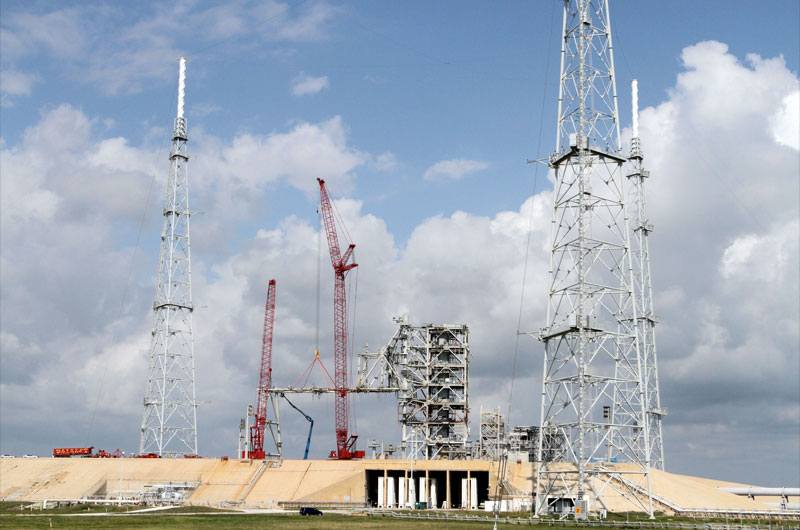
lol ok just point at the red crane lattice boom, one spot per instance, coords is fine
(265, 375)
(345, 444)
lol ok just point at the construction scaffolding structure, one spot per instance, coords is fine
(428, 367)
(492, 441)
(518, 443)
(593, 392)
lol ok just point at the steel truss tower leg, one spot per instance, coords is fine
(169, 421)
(593, 431)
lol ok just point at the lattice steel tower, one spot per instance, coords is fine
(592, 388)
(646, 320)
(169, 422)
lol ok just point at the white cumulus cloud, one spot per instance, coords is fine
(385, 161)
(723, 198)
(304, 84)
(15, 83)
(454, 169)
(299, 156)
(144, 49)
(785, 123)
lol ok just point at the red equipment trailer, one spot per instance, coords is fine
(66, 452)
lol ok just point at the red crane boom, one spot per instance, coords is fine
(265, 375)
(345, 445)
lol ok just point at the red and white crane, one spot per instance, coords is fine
(258, 428)
(345, 442)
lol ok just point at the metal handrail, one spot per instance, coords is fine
(590, 523)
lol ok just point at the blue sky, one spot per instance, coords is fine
(421, 116)
(426, 82)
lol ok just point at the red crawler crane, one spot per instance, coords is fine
(345, 446)
(265, 375)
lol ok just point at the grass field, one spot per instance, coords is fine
(196, 517)
(326, 522)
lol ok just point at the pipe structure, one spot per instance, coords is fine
(791, 506)
(772, 492)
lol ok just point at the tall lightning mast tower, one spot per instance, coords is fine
(592, 388)
(646, 319)
(169, 422)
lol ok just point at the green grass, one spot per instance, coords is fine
(327, 522)
(78, 516)
(12, 506)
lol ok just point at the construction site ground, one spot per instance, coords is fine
(329, 483)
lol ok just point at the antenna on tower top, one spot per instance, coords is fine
(636, 146)
(635, 106)
(181, 86)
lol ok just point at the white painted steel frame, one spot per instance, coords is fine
(646, 318)
(492, 444)
(592, 386)
(169, 420)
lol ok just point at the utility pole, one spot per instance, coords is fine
(169, 421)
(592, 400)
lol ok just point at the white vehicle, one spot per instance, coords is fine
(29, 456)
(6, 456)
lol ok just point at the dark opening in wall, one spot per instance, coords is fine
(371, 477)
(456, 500)
(483, 487)
(439, 479)
(434, 494)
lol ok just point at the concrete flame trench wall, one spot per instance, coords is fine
(253, 484)
(225, 481)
